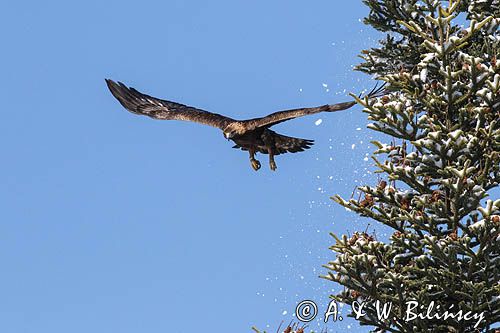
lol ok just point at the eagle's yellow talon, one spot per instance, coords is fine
(272, 165)
(255, 164)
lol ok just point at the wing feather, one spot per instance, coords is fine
(139, 103)
(281, 116)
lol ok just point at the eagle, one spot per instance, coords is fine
(252, 135)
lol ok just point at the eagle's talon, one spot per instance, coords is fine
(255, 164)
(272, 165)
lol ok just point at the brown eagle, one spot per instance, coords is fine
(252, 135)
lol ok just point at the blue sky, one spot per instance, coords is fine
(112, 222)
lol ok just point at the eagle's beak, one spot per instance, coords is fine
(228, 135)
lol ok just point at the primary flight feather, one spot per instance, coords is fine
(252, 135)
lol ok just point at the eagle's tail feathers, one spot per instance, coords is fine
(286, 144)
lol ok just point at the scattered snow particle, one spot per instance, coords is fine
(300, 89)
(325, 85)
(365, 159)
(318, 122)
(423, 74)
(284, 312)
(358, 129)
(353, 146)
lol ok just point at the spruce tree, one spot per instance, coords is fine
(437, 168)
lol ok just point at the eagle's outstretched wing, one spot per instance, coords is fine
(140, 103)
(281, 116)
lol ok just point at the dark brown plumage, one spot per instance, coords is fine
(252, 135)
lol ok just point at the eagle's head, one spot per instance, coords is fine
(229, 135)
(233, 129)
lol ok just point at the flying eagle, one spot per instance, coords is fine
(252, 135)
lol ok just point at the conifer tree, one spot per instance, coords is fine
(437, 168)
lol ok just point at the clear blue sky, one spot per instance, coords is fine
(112, 222)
